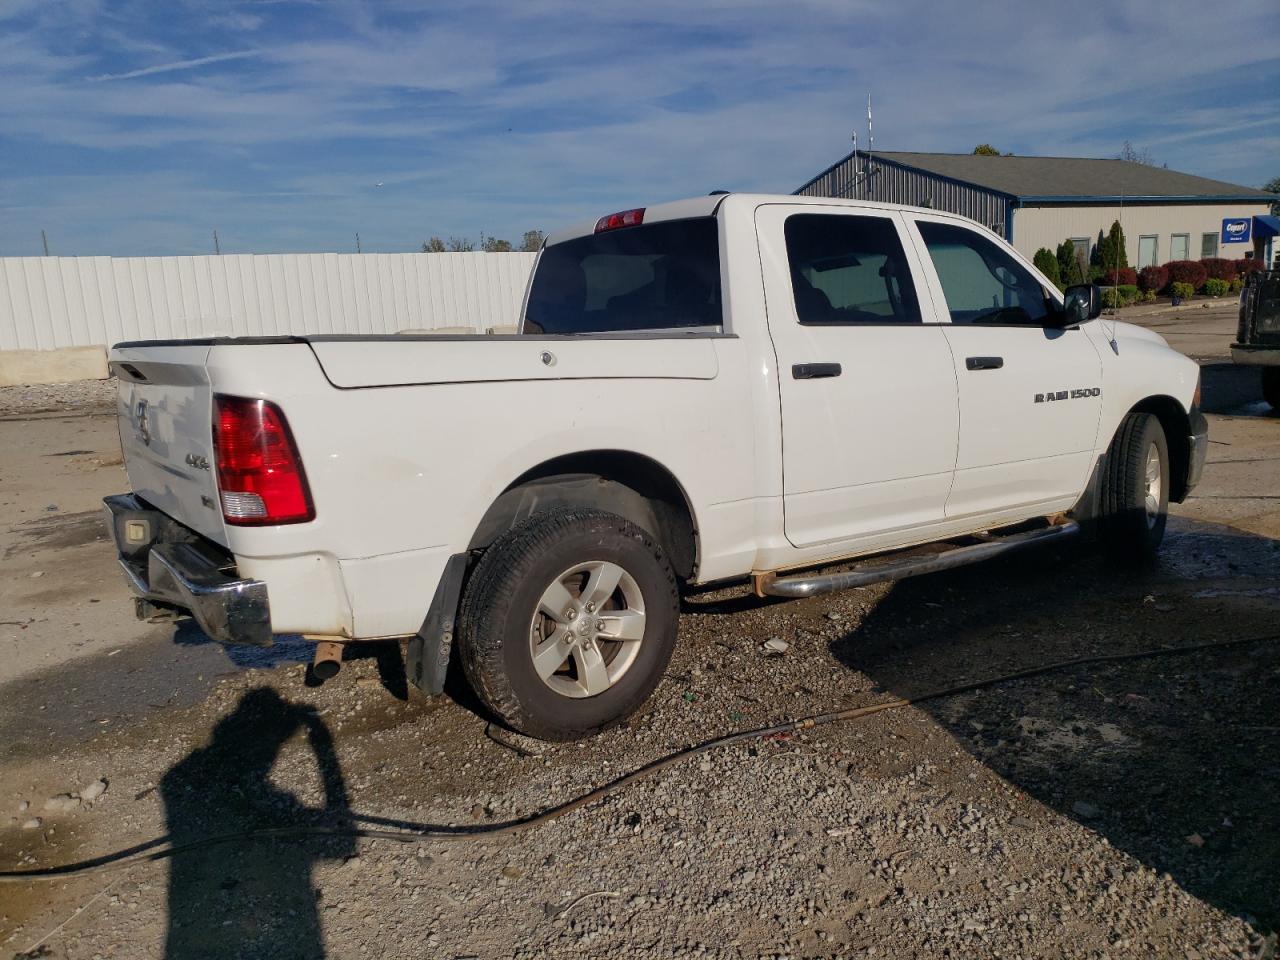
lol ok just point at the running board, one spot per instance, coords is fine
(770, 585)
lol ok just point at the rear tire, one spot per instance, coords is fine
(1271, 386)
(568, 623)
(1134, 501)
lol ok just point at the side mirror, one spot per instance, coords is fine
(1082, 302)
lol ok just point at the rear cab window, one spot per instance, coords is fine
(657, 276)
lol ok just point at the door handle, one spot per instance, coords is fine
(983, 363)
(814, 371)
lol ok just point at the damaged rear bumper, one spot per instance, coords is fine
(170, 568)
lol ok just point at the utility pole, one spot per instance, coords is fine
(44, 240)
(358, 250)
(216, 248)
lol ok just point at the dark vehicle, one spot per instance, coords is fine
(1258, 337)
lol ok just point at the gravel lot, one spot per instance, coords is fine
(79, 397)
(1118, 810)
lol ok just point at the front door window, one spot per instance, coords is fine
(983, 283)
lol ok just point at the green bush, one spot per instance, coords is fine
(1146, 296)
(1184, 290)
(1216, 288)
(1112, 298)
(1069, 267)
(1046, 262)
(1236, 285)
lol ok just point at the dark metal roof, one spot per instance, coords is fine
(1066, 179)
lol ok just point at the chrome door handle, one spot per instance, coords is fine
(983, 363)
(814, 371)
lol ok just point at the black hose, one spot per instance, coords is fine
(409, 832)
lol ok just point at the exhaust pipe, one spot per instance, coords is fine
(328, 660)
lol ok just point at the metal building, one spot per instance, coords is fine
(1039, 202)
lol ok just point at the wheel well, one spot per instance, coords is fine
(628, 484)
(1177, 434)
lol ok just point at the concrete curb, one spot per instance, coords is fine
(63, 365)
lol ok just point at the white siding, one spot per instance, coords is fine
(1036, 227)
(51, 302)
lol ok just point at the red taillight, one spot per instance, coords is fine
(260, 475)
(627, 218)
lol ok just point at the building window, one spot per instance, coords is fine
(1081, 255)
(1208, 245)
(1148, 251)
(1180, 246)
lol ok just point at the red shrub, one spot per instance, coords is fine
(1153, 279)
(1119, 276)
(1246, 267)
(1220, 269)
(1187, 271)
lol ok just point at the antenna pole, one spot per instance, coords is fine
(216, 248)
(358, 250)
(871, 143)
(854, 184)
(45, 241)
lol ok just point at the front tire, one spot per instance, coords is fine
(568, 623)
(1135, 491)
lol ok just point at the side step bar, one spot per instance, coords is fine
(770, 585)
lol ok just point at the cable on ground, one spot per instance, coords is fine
(406, 831)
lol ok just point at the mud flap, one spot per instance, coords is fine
(428, 652)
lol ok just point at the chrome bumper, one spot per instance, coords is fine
(168, 567)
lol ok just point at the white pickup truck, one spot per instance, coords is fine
(710, 390)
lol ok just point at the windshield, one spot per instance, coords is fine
(653, 277)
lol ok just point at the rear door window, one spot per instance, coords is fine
(652, 277)
(849, 269)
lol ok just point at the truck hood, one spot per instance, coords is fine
(1131, 331)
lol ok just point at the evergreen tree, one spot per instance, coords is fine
(1096, 258)
(1116, 253)
(1047, 263)
(1068, 268)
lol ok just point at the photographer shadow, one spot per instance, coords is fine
(250, 898)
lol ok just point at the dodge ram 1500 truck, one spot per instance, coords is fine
(734, 387)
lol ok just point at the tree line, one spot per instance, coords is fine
(531, 242)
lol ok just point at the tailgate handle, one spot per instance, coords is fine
(984, 363)
(814, 371)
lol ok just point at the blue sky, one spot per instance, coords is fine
(140, 127)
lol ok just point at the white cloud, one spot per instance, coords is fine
(503, 116)
(175, 65)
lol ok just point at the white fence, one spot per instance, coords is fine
(52, 302)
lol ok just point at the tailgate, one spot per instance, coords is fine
(164, 405)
